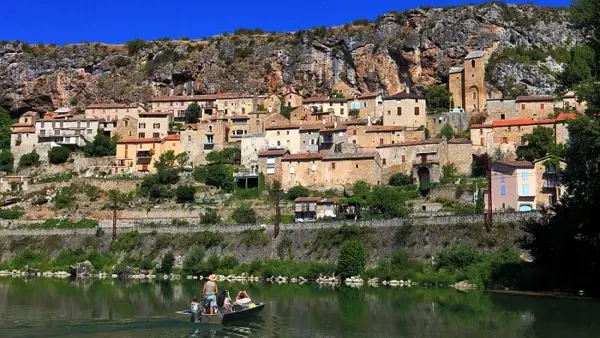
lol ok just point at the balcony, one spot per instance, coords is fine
(246, 174)
(550, 184)
(143, 155)
(326, 140)
(208, 145)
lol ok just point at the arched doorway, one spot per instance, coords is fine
(474, 96)
(424, 176)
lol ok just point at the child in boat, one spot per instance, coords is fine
(194, 309)
(224, 300)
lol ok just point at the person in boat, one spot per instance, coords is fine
(242, 298)
(224, 300)
(210, 291)
(195, 310)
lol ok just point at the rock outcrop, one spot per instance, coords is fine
(412, 49)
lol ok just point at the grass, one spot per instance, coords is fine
(65, 224)
(12, 213)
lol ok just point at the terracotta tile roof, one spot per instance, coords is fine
(110, 105)
(516, 164)
(210, 97)
(521, 122)
(377, 129)
(154, 113)
(315, 99)
(350, 156)
(480, 126)
(459, 141)
(232, 95)
(283, 127)
(368, 95)
(566, 116)
(173, 137)
(140, 140)
(23, 131)
(536, 98)
(329, 200)
(412, 143)
(21, 125)
(303, 157)
(354, 122)
(258, 112)
(404, 95)
(311, 126)
(272, 152)
(307, 199)
(331, 129)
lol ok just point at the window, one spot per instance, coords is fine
(333, 165)
(525, 189)
(502, 190)
(142, 126)
(505, 140)
(389, 113)
(417, 111)
(383, 162)
(278, 133)
(357, 166)
(522, 106)
(278, 143)
(313, 167)
(354, 132)
(292, 170)
(399, 111)
(541, 106)
(502, 117)
(141, 135)
(89, 132)
(129, 133)
(270, 165)
(189, 138)
(403, 158)
(156, 125)
(155, 135)
(380, 141)
(524, 175)
(342, 111)
(287, 132)
(502, 179)
(331, 104)
(509, 128)
(353, 141)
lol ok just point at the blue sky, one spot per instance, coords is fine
(117, 21)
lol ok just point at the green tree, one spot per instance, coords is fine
(102, 145)
(170, 160)
(192, 263)
(192, 113)
(244, 214)
(352, 259)
(400, 179)
(578, 69)
(220, 176)
(225, 156)
(564, 243)
(185, 193)
(5, 122)
(31, 159)
(58, 155)
(438, 97)
(387, 202)
(540, 142)
(210, 217)
(167, 262)
(7, 161)
(447, 131)
(297, 191)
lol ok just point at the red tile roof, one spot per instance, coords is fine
(315, 99)
(368, 95)
(303, 156)
(566, 116)
(209, 97)
(272, 152)
(412, 143)
(239, 117)
(521, 122)
(286, 126)
(361, 121)
(516, 164)
(173, 137)
(475, 126)
(350, 156)
(536, 98)
(311, 126)
(24, 131)
(21, 125)
(110, 105)
(377, 129)
(140, 140)
(154, 113)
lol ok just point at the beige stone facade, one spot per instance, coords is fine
(113, 111)
(466, 83)
(285, 137)
(369, 137)
(250, 146)
(301, 115)
(536, 107)
(336, 107)
(548, 182)
(570, 101)
(197, 140)
(405, 109)
(256, 121)
(269, 163)
(177, 105)
(272, 103)
(126, 127)
(237, 104)
(153, 124)
(332, 171)
(292, 99)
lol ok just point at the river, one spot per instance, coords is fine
(107, 308)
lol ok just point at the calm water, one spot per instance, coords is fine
(56, 308)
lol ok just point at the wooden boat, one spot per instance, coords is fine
(237, 314)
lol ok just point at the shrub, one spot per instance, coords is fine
(192, 264)
(63, 199)
(31, 159)
(210, 216)
(192, 113)
(166, 264)
(228, 262)
(102, 145)
(447, 131)
(185, 193)
(458, 258)
(352, 259)
(59, 155)
(135, 46)
(7, 161)
(244, 214)
(13, 213)
(297, 191)
(254, 238)
(400, 179)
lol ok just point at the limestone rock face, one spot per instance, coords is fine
(412, 49)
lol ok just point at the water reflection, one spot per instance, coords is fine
(60, 308)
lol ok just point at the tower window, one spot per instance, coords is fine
(473, 63)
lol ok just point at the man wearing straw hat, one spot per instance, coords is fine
(210, 290)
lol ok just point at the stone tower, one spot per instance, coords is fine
(466, 83)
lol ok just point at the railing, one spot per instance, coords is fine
(550, 184)
(245, 173)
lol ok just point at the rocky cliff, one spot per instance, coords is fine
(414, 49)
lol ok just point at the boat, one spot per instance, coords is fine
(238, 313)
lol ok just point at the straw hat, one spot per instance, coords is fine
(212, 277)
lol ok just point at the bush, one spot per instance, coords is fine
(166, 264)
(297, 191)
(7, 161)
(352, 259)
(251, 238)
(244, 214)
(220, 176)
(447, 131)
(58, 155)
(192, 264)
(31, 159)
(102, 145)
(185, 193)
(458, 258)
(210, 216)
(400, 179)
(13, 213)
(135, 46)
(63, 199)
